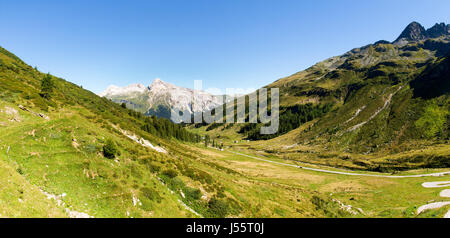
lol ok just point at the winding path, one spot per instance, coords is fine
(435, 205)
(346, 173)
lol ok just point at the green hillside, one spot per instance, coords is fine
(372, 108)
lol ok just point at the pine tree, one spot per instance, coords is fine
(110, 150)
(47, 87)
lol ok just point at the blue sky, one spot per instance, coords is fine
(225, 43)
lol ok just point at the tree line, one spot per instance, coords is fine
(290, 119)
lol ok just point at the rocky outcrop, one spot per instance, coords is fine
(416, 32)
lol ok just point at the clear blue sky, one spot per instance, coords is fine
(225, 43)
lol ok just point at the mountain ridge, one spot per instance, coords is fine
(416, 32)
(160, 98)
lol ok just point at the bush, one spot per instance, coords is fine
(151, 194)
(154, 167)
(217, 208)
(192, 193)
(171, 173)
(110, 150)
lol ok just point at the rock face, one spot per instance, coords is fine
(416, 32)
(413, 32)
(161, 97)
(438, 30)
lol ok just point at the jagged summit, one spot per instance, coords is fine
(416, 32)
(413, 32)
(438, 30)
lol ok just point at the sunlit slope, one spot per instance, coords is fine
(389, 103)
(56, 144)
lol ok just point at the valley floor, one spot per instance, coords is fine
(362, 194)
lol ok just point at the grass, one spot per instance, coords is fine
(19, 198)
(44, 153)
(377, 197)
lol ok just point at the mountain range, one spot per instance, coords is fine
(161, 97)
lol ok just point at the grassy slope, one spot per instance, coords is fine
(19, 198)
(45, 155)
(63, 154)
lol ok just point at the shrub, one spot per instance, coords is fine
(110, 150)
(154, 167)
(217, 208)
(151, 194)
(171, 173)
(192, 193)
(176, 183)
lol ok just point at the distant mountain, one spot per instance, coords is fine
(416, 32)
(161, 97)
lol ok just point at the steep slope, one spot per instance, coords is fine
(160, 98)
(57, 144)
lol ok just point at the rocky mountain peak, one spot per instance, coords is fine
(160, 97)
(413, 32)
(416, 32)
(438, 30)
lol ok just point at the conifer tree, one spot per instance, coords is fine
(47, 86)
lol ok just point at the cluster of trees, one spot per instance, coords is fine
(164, 128)
(213, 142)
(290, 119)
